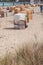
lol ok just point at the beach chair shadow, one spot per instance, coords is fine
(14, 28)
(10, 28)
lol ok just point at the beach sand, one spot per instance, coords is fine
(11, 39)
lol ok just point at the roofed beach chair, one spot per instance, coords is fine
(20, 20)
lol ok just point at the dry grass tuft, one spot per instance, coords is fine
(24, 57)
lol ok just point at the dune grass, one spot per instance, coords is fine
(24, 56)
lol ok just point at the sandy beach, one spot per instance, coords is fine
(11, 39)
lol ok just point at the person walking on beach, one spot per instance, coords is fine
(41, 6)
(3, 3)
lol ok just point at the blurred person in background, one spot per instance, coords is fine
(41, 6)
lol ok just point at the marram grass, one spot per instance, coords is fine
(24, 57)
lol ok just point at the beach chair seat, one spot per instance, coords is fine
(1, 8)
(1, 13)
